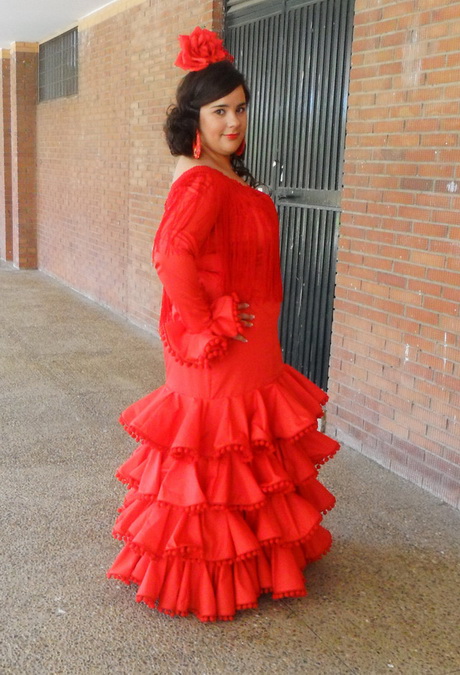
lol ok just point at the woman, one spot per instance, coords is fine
(223, 503)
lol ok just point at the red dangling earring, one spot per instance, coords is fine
(242, 148)
(197, 145)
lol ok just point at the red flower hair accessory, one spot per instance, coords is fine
(199, 49)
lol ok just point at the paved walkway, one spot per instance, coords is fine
(385, 600)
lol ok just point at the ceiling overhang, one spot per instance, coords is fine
(35, 21)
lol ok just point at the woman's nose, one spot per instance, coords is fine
(233, 120)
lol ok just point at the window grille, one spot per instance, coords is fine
(58, 66)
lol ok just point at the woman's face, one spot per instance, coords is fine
(223, 123)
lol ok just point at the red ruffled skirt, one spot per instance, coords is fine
(224, 502)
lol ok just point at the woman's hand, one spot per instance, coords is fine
(246, 319)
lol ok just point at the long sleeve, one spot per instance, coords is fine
(193, 326)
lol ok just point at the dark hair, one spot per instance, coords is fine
(196, 89)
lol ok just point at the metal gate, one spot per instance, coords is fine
(296, 57)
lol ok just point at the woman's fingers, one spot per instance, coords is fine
(246, 317)
(246, 320)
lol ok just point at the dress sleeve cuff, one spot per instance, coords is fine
(201, 349)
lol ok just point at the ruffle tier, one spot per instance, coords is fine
(223, 502)
(178, 586)
(231, 481)
(284, 409)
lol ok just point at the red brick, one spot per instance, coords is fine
(366, 247)
(453, 425)
(448, 187)
(388, 154)
(377, 264)
(434, 62)
(371, 168)
(443, 276)
(442, 437)
(364, 72)
(366, 44)
(422, 95)
(445, 217)
(392, 279)
(442, 306)
(386, 210)
(367, 17)
(449, 155)
(446, 76)
(436, 363)
(439, 140)
(422, 316)
(394, 252)
(454, 232)
(427, 474)
(409, 270)
(449, 44)
(451, 293)
(421, 155)
(398, 197)
(351, 394)
(449, 124)
(391, 68)
(430, 229)
(427, 259)
(433, 200)
(405, 297)
(453, 60)
(446, 13)
(441, 108)
(419, 422)
(436, 171)
(425, 288)
(421, 124)
(417, 184)
(398, 9)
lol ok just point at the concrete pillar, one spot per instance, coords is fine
(6, 223)
(24, 85)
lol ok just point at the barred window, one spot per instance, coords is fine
(58, 66)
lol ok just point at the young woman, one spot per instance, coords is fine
(224, 503)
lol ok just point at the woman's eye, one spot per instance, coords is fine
(220, 111)
(241, 110)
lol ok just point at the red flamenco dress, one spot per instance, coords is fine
(223, 501)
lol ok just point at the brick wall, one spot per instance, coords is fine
(23, 92)
(6, 227)
(103, 166)
(394, 376)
